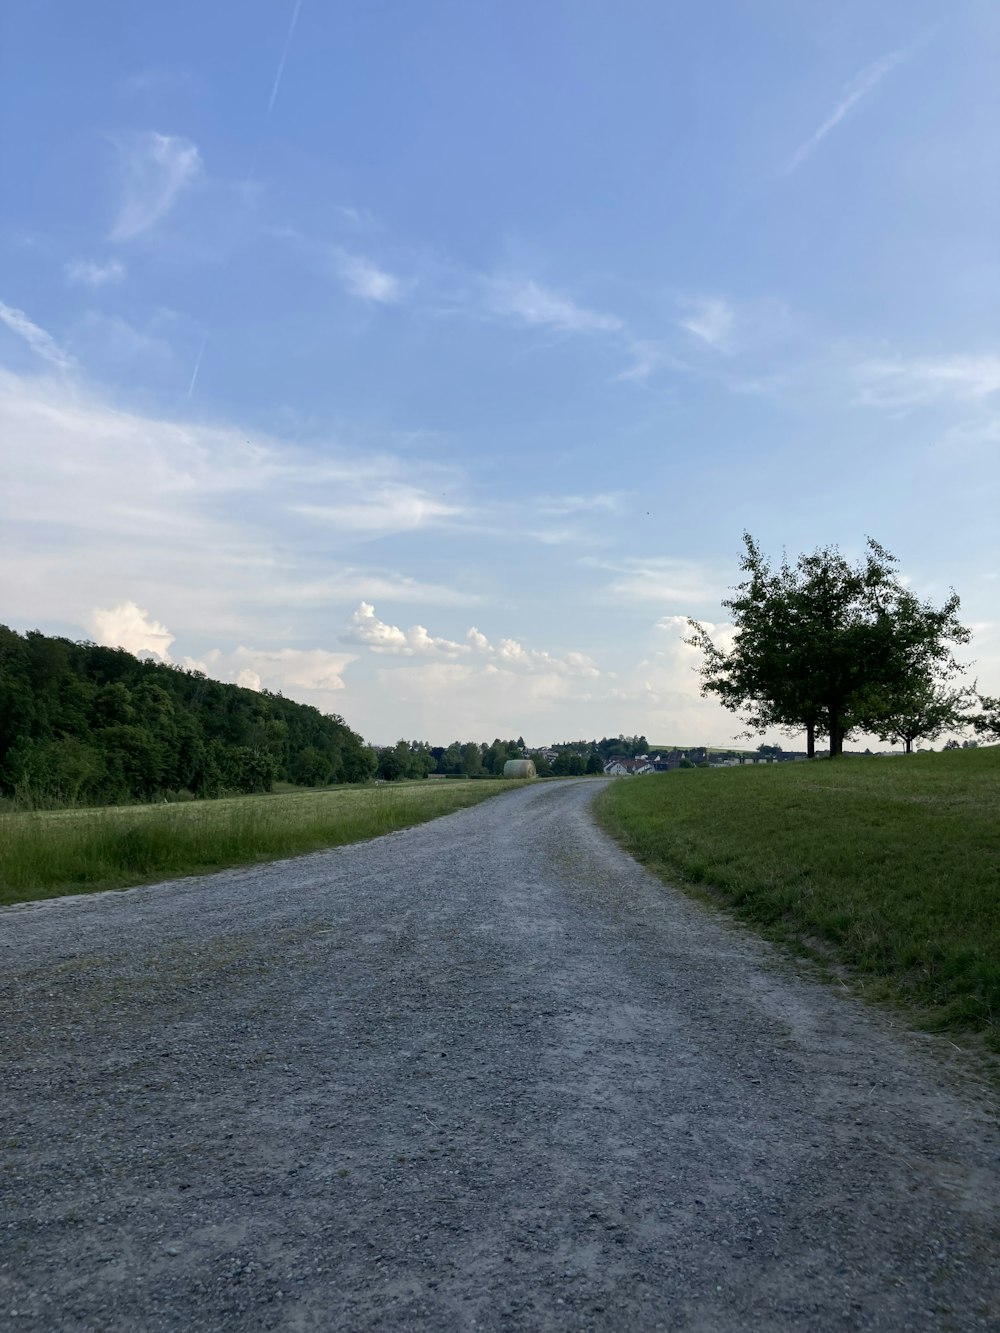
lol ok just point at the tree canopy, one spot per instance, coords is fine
(80, 723)
(826, 646)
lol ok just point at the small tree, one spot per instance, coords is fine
(921, 713)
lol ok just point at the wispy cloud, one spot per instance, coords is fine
(90, 273)
(710, 319)
(858, 88)
(157, 168)
(101, 506)
(525, 300)
(906, 383)
(666, 580)
(40, 342)
(563, 505)
(366, 280)
(388, 508)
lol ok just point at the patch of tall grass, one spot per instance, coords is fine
(890, 866)
(49, 853)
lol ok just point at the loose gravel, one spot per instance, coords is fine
(486, 1073)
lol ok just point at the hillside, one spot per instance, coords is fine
(82, 724)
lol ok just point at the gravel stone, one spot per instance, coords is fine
(486, 1073)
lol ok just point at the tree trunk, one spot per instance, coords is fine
(810, 740)
(836, 736)
(909, 745)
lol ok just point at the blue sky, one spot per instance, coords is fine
(426, 362)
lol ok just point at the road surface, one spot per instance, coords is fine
(486, 1073)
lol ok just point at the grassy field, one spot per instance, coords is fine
(889, 866)
(46, 854)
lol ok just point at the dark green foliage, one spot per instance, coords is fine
(828, 647)
(987, 723)
(82, 724)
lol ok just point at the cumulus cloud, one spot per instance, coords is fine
(366, 280)
(40, 342)
(365, 627)
(157, 169)
(530, 303)
(130, 627)
(90, 273)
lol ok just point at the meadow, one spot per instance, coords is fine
(887, 869)
(49, 853)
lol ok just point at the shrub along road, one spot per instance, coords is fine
(485, 1073)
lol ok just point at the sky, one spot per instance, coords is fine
(426, 362)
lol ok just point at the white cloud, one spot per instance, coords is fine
(157, 169)
(90, 273)
(710, 319)
(527, 301)
(860, 86)
(663, 579)
(301, 673)
(40, 342)
(100, 503)
(392, 508)
(128, 626)
(365, 627)
(366, 280)
(905, 383)
(609, 502)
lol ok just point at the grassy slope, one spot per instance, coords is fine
(891, 866)
(77, 851)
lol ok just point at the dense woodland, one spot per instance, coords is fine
(82, 724)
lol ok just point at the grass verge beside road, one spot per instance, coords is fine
(48, 854)
(889, 866)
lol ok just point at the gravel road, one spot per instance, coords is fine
(486, 1073)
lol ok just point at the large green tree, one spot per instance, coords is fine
(826, 646)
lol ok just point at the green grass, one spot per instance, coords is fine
(43, 855)
(888, 866)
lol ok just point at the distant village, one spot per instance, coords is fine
(664, 761)
(613, 756)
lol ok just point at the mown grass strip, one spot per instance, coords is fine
(890, 866)
(48, 854)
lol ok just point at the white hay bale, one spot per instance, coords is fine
(519, 768)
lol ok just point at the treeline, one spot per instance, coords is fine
(83, 724)
(476, 759)
(469, 759)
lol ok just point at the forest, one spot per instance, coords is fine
(82, 724)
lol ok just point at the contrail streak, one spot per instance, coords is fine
(197, 363)
(284, 56)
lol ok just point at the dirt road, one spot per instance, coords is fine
(486, 1073)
